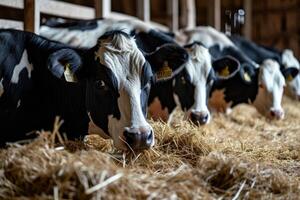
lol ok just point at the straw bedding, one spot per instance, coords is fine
(239, 156)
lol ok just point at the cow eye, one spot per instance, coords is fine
(99, 84)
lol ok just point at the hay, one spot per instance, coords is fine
(240, 156)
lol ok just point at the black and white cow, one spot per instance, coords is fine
(285, 58)
(103, 89)
(261, 85)
(189, 89)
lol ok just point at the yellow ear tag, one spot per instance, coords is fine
(69, 75)
(225, 71)
(164, 72)
(247, 77)
(289, 78)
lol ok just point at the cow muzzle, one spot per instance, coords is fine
(276, 114)
(199, 118)
(139, 138)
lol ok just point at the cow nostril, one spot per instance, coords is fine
(272, 113)
(205, 117)
(129, 137)
(150, 138)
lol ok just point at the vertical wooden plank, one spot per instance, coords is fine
(31, 16)
(188, 13)
(102, 8)
(172, 6)
(248, 18)
(143, 10)
(214, 13)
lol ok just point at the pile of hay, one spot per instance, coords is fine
(240, 156)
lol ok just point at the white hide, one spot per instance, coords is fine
(1, 87)
(123, 58)
(270, 94)
(24, 63)
(289, 60)
(88, 38)
(206, 35)
(198, 68)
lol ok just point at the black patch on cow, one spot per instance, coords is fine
(172, 54)
(290, 72)
(148, 42)
(254, 51)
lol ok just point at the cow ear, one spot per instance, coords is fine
(225, 67)
(64, 64)
(167, 61)
(246, 73)
(290, 73)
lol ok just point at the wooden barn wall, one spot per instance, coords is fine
(274, 22)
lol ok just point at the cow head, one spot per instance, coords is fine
(118, 82)
(194, 84)
(293, 82)
(271, 83)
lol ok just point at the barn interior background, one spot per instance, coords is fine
(241, 156)
(269, 22)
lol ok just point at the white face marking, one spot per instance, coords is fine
(24, 63)
(1, 87)
(121, 55)
(289, 60)
(217, 101)
(198, 68)
(270, 93)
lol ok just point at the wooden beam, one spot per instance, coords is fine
(102, 8)
(56, 8)
(143, 10)
(4, 23)
(13, 3)
(172, 6)
(214, 14)
(121, 16)
(188, 13)
(31, 16)
(248, 18)
(68, 10)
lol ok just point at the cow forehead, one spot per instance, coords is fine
(121, 55)
(199, 66)
(271, 75)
